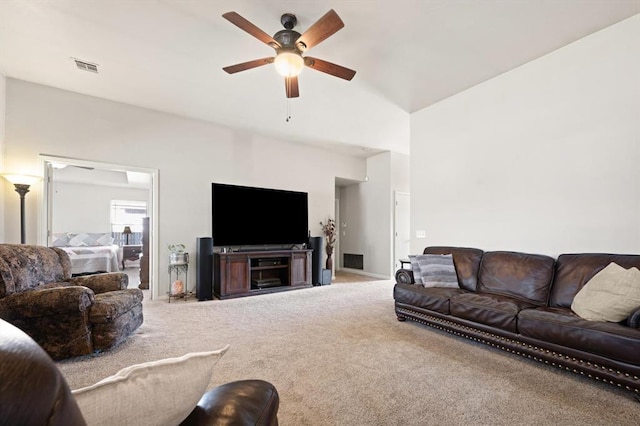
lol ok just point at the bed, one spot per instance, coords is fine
(90, 253)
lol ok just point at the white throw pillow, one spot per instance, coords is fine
(610, 295)
(160, 392)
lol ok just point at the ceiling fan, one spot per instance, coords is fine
(290, 45)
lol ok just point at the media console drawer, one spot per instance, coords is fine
(239, 274)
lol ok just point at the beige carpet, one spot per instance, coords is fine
(338, 356)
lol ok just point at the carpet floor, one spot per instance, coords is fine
(338, 356)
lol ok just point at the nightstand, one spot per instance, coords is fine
(131, 252)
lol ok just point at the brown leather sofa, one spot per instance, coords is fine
(521, 303)
(34, 392)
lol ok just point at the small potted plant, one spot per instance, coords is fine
(178, 254)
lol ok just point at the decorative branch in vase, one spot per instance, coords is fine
(329, 230)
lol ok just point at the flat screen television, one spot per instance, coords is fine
(251, 216)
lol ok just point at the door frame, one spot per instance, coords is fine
(395, 225)
(44, 236)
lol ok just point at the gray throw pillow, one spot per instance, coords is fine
(415, 267)
(437, 270)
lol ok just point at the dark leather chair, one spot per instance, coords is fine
(34, 392)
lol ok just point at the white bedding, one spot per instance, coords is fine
(93, 259)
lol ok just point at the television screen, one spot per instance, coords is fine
(250, 216)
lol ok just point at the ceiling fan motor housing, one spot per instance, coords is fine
(287, 39)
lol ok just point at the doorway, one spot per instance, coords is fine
(92, 184)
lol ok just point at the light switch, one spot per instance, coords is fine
(421, 234)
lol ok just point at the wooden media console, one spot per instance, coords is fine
(238, 274)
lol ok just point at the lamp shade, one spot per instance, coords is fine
(289, 64)
(21, 179)
(127, 230)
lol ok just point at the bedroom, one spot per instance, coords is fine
(95, 231)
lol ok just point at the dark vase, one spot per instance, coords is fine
(329, 264)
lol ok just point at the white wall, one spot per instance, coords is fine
(545, 158)
(189, 155)
(3, 182)
(87, 208)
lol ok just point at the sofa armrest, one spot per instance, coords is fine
(42, 302)
(244, 402)
(633, 320)
(102, 283)
(404, 276)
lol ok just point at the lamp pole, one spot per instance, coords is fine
(22, 189)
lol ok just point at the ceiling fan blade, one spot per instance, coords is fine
(324, 27)
(231, 69)
(291, 85)
(247, 26)
(329, 68)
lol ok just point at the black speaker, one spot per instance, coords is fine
(315, 244)
(204, 268)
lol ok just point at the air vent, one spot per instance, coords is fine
(86, 66)
(353, 261)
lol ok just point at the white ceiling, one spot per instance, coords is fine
(168, 55)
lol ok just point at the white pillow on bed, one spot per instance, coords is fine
(77, 240)
(91, 239)
(60, 240)
(105, 240)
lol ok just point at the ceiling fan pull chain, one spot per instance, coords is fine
(288, 110)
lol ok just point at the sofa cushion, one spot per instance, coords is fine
(467, 263)
(433, 298)
(112, 304)
(25, 267)
(611, 295)
(490, 309)
(565, 328)
(574, 270)
(160, 392)
(523, 276)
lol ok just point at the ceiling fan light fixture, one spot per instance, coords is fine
(288, 63)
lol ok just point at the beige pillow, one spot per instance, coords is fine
(610, 295)
(160, 392)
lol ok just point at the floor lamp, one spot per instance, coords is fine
(21, 184)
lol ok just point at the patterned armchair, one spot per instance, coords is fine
(67, 316)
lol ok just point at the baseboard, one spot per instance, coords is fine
(366, 274)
